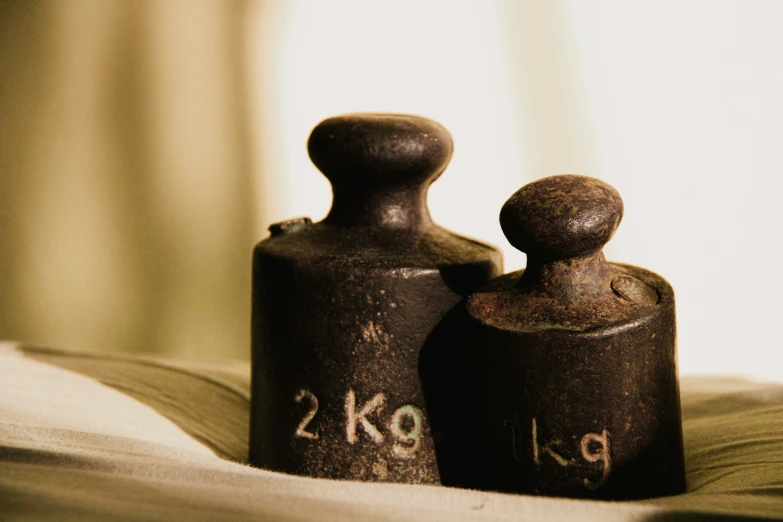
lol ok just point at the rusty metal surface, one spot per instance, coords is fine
(345, 310)
(577, 381)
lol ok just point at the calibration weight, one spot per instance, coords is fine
(343, 309)
(577, 382)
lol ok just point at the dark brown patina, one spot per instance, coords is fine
(345, 311)
(577, 385)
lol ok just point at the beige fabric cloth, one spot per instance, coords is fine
(127, 438)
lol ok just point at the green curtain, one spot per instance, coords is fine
(126, 209)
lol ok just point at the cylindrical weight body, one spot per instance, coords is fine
(593, 413)
(336, 356)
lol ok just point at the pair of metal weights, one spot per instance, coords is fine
(386, 348)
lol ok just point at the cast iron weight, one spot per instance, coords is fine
(578, 386)
(343, 308)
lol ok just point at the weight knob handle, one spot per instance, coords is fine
(380, 167)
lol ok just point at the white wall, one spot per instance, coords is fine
(676, 103)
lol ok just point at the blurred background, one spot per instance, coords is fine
(145, 147)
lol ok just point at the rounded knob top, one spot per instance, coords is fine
(380, 149)
(562, 216)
